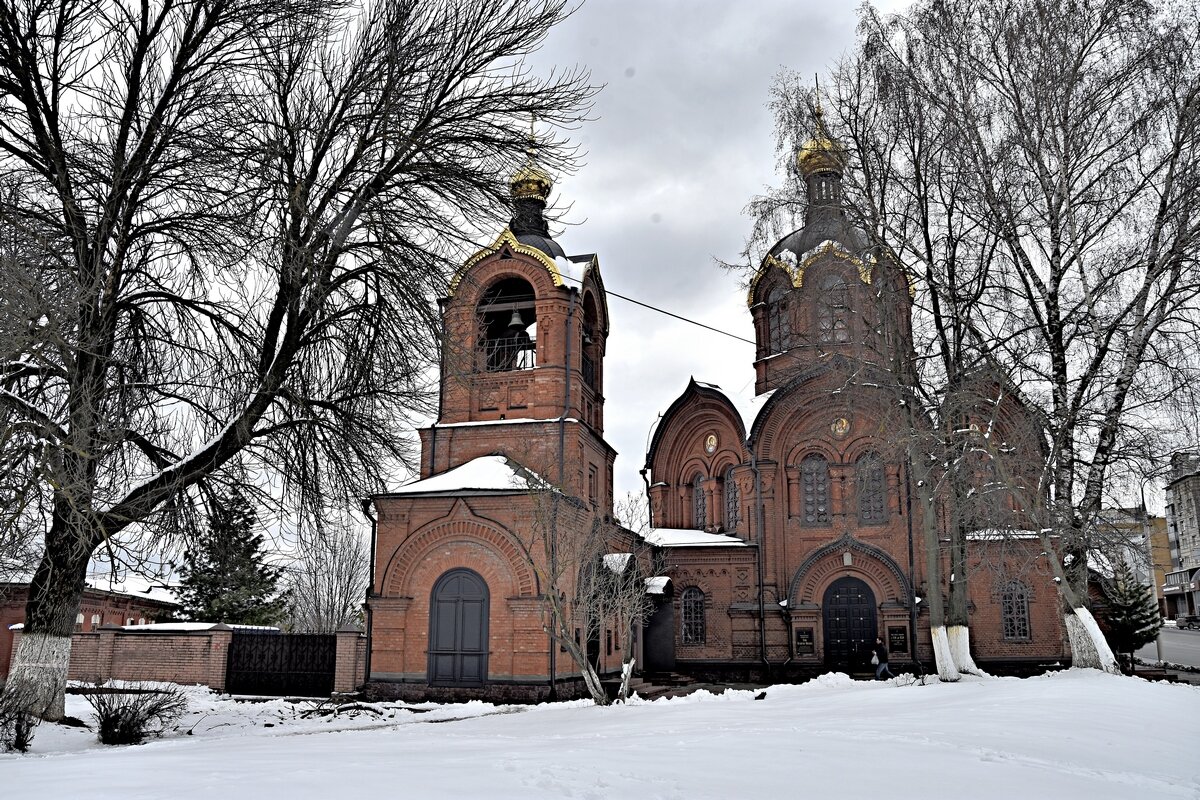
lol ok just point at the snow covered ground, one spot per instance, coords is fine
(1076, 734)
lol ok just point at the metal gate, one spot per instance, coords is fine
(281, 663)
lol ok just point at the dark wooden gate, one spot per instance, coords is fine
(275, 663)
(850, 625)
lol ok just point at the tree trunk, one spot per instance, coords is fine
(626, 676)
(1089, 648)
(958, 631)
(943, 655)
(37, 679)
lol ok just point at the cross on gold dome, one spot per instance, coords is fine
(531, 182)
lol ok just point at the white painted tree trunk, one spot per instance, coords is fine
(1088, 645)
(959, 637)
(626, 675)
(37, 680)
(943, 655)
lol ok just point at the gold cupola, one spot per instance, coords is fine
(531, 182)
(820, 153)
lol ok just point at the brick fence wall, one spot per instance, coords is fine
(186, 657)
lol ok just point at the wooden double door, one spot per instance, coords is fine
(850, 624)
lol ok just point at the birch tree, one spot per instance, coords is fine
(1066, 177)
(241, 211)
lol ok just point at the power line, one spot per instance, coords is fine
(668, 313)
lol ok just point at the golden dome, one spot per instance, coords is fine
(531, 182)
(820, 154)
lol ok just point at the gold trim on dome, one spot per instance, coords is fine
(835, 250)
(506, 239)
(767, 263)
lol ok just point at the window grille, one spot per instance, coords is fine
(833, 310)
(733, 501)
(1014, 611)
(814, 480)
(779, 333)
(699, 507)
(692, 614)
(872, 490)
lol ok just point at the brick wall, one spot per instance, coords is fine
(185, 657)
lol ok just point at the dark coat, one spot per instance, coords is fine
(881, 652)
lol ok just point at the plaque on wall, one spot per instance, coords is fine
(897, 640)
(804, 642)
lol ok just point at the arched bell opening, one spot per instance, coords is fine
(507, 316)
(590, 358)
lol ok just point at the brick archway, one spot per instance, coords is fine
(469, 531)
(868, 563)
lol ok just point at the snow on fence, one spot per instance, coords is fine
(191, 654)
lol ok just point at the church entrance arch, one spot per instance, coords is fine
(850, 624)
(458, 629)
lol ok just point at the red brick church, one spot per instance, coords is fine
(784, 532)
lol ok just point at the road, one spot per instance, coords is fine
(1178, 647)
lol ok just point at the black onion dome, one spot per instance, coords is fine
(823, 228)
(543, 243)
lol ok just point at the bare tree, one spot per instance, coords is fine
(242, 210)
(325, 584)
(1037, 163)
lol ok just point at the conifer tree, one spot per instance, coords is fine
(1132, 618)
(225, 577)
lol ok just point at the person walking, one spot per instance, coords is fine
(880, 659)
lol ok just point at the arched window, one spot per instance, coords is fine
(814, 485)
(872, 490)
(699, 507)
(1014, 611)
(733, 501)
(507, 320)
(589, 351)
(779, 327)
(692, 615)
(95, 620)
(833, 310)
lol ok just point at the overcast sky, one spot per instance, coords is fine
(681, 141)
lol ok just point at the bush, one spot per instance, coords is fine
(134, 715)
(16, 729)
(16, 723)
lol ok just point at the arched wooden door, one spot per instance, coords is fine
(850, 624)
(458, 630)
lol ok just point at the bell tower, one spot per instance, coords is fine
(524, 332)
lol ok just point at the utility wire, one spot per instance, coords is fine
(664, 311)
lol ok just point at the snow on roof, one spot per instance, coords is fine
(657, 585)
(745, 403)
(181, 627)
(486, 473)
(133, 586)
(684, 537)
(167, 627)
(574, 267)
(617, 562)
(129, 584)
(515, 421)
(996, 534)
